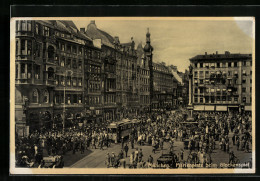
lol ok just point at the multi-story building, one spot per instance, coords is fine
(130, 79)
(120, 74)
(49, 74)
(108, 58)
(177, 83)
(183, 89)
(221, 82)
(163, 87)
(92, 82)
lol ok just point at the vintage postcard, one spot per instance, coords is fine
(132, 95)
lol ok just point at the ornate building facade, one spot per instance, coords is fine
(49, 64)
(222, 82)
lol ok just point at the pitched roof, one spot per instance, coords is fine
(95, 33)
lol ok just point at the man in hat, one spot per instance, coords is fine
(107, 162)
(126, 150)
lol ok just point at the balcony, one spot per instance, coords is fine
(74, 105)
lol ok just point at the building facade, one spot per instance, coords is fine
(222, 82)
(163, 87)
(49, 64)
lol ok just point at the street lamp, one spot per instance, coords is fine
(69, 72)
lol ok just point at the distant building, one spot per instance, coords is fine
(108, 57)
(120, 74)
(222, 82)
(163, 87)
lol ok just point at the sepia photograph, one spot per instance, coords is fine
(132, 95)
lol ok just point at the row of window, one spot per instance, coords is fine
(94, 100)
(59, 80)
(222, 64)
(219, 99)
(110, 98)
(94, 87)
(69, 98)
(213, 90)
(144, 81)
(144, 89)
(218, 73)
(220, 81)
(36, 96)
(144, 99)
(23, 47)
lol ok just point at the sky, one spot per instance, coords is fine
(175, 41)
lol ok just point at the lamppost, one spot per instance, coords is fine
(64, 96)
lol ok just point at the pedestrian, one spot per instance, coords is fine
(140, 155)
(132, 143)
(122, 142)
(82, 148)
(150, 159)
(107, 162)
(126, 150)
(131, 160)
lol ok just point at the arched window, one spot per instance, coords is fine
(35, 96)
(46, 96)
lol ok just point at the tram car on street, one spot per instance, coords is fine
(122, 129)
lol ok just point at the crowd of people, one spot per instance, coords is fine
(208, 131)
(29, 150)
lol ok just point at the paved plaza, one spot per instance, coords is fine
(96, 157)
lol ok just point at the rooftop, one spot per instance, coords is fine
(226, 55)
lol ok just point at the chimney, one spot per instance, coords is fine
(82, 30)
(92, 22)
(116, 38)
(205, 53)
(216, 52)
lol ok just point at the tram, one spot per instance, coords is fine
(122, 129)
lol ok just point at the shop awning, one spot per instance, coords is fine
(221, 108)
(199, 108)
(209, 108)
(248, 108)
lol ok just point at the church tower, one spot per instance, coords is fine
(148, 52)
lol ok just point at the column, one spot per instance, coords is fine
(26, 71)
(190, 90)
(19, 46)
(19, 71)
(26, 47)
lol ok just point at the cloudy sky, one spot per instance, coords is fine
(175, 41)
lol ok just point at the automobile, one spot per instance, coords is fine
(167, 159)
(52, 162)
